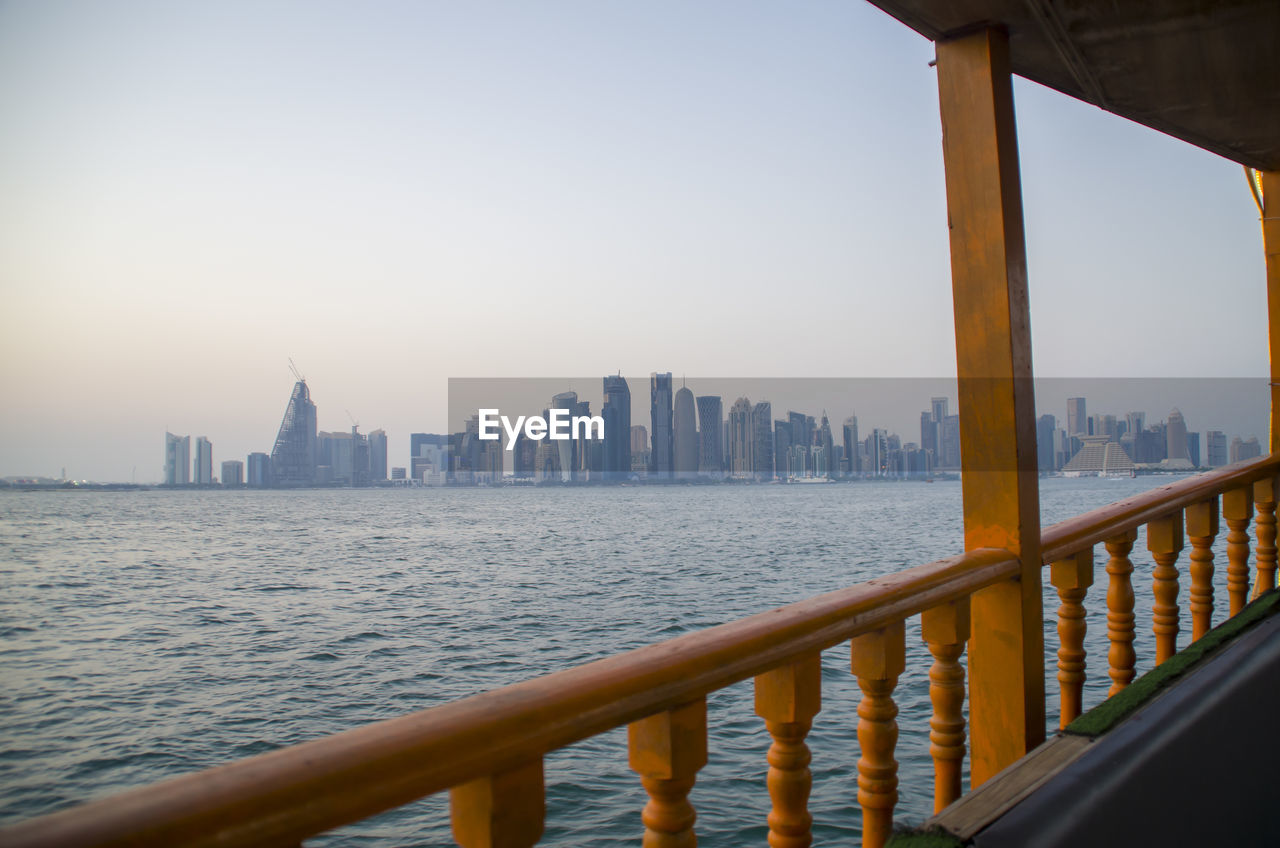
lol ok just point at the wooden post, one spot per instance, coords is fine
(1202, 528)
(1271, 252)
(667, 750)
(946, 629)
(1120, 656)
(1264, 495)
(1164, 540)
(1072, 577)
(878, 658)
(788, 698)
(1237, 511)
(996, 399)
(503, 810)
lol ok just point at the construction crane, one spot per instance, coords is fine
(354, 423)
(297, 375)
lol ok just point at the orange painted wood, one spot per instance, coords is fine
(1202, 528)
(995, 391)
(788, 698)
(1072, 577)
(667, 750)
(878, 659)
(1164, 540)
(503, 810)
(945, 629)
(1264, 495)
(1271, 256)
(1120, 656)
(1094, 527)
(1237, 511)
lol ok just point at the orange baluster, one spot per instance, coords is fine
(1202, 527)
(503, 810)
(788, 698)
(945, 629)
(1264, 495)
(878, 658)
(1120, 656)
(667, 750)
(1072, 578)
(1164, 540)
(1237, 509)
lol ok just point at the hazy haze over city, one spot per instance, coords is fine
(397, 193)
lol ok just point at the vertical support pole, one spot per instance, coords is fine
(1202, 528)
(667, 750)
(503, 810)
(1120, 655)
(878, 658)
(1164, 540)
(1237, 511)
(1072, 577)
(945, 629)
(996, 398)
(1271, 252)
(1264, 495)
(788, 698)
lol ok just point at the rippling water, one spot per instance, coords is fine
(149, 634)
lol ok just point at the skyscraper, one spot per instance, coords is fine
(851, 450)
(203, 469)
(939, 410)
(617, 428)
(378, 456)
(685, 434)
(259, 470)
(762, 440)
(741, 452)
(1215, 448)
(1046, 426)
(233, 473)
(177, 460)
(662, 458)
(293, 458)
(1077, 420)
(710, 422)
(1176, 437)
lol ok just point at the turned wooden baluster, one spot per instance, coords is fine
(1202, 527)
(945, 629)
(1164, 540)
(1264, 495)
(878, 658)
(1237, 510)
(502, 810)
(1120, 656)
(666, 750)
(1072, 577)
(788, 698)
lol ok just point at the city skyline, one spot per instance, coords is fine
(194, 193)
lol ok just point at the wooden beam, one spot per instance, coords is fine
(996, 399)
(1271, 250)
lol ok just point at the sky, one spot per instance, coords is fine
(396, 193)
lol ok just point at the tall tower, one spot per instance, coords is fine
(662, 459)
(204, 462)
(762, 440)
(378, 456)
(852, 445)
(685, 428)
(1176, 436)
(1077, 421)
(293, 458)
(741, 436)
(177, 460)
(617, 428)
(710, 421)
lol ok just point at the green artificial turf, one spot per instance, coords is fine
(931, 838)
(1112, 711)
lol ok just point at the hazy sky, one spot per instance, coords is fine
(398, 193)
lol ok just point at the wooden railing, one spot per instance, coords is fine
(488, 749)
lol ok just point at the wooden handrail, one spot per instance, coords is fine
(1075, 534)
(282, 797)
